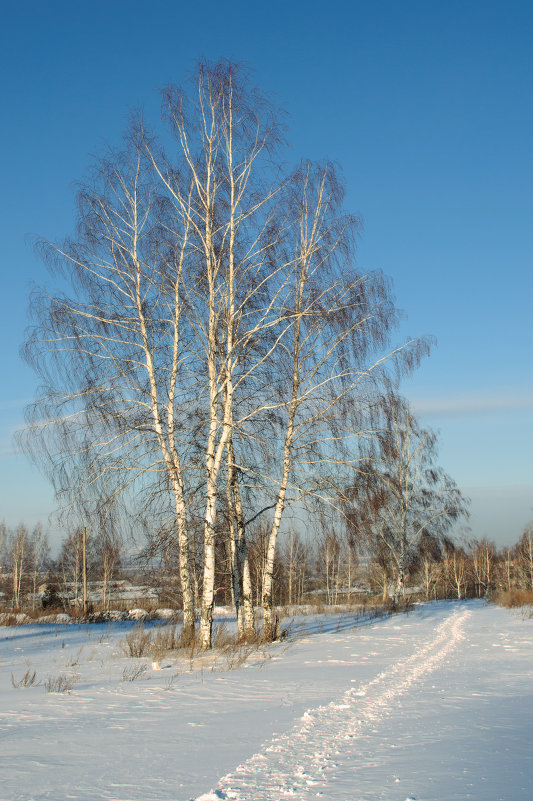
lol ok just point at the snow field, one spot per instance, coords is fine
(434, 706)
(303, 760)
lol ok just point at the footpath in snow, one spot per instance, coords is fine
(436, 705)
(304, 761)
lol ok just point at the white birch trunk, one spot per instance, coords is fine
(268, 571)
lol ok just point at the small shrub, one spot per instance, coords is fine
(133, 673)
(14, 619)
(171, 681)
(235, 651)
(77, 613)
(237, 656)
(164, 640)
(51, 599)
(222, 638)
(404, 604)
(104, 636)
(60, 684)
(137, 642)
(188, 640)
(171, 638)
(29, 679)
(513, 598)
(73, 660)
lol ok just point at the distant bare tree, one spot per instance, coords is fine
(458, 565)
(296, 559)
(18, 546)
(107, 557)
(380, 569)
(483, 557)
(508, 573)
(24, 554)
(525, 557)
(101, 427)
(400, 494)
(426, 561)
(71, 564)
(38, 555)
(334, 353)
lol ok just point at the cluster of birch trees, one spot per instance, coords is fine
(26, 562)
(476, 569)
(24, 555)
(215, 356)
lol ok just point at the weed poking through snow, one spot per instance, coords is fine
(137, 642)
(133, 673)
(29, 679)
(60, 684)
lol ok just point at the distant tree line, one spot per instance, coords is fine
(325, 569)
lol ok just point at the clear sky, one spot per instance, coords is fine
(427, 107)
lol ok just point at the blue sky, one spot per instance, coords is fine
(428, 109)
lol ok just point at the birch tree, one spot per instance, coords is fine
(296, 559)
(70, 565)
(109, 355)
(427, 561)
(38, 556)
(483, 553)
(335, 351)
(172, 286)
(226, 139)
(107, 562)
(211, 357)
(524, 552)
(18, 544)
(400, 494)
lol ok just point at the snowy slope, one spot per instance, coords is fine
(435, 705)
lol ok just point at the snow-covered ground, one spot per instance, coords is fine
(436, 705)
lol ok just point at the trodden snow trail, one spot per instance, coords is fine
(299, 764)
